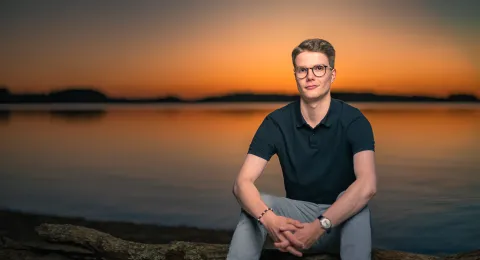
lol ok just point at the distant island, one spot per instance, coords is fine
(91, 95)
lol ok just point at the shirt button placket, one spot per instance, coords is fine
(313, 141)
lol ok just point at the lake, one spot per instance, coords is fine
(175, 165)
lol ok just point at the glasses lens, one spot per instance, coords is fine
(319, 70)
(301, 73)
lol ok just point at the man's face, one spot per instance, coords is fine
(313, 87)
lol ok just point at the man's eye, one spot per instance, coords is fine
(302, 69)
(319, 68)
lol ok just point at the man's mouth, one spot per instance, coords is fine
(310, 87)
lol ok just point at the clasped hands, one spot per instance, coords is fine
(291, 235)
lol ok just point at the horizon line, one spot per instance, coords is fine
(280, 93)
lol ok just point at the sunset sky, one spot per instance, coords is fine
(198, 48)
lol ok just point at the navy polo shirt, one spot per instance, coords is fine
(317, 163)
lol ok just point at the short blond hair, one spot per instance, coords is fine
(315, 45)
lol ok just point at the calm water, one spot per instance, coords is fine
(175, 165)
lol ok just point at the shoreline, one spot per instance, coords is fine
(20, 226)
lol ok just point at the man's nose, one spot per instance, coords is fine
(310, 75)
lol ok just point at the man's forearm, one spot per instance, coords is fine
(351, 202)
(249, 198)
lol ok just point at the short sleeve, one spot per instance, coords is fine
(263, 142)
(360, 135)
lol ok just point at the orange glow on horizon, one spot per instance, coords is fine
(217, 52)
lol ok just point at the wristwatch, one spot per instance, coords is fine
(325, 223)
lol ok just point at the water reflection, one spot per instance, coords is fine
(175, 165)
(77, 115)
(4, 116)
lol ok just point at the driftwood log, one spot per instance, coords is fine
(65, 241)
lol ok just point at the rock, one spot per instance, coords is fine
(12, 254)
(474, 255)
(66, 241)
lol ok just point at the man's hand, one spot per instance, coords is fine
(303, 238)
(278, 226)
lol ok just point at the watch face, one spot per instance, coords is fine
(325, 223)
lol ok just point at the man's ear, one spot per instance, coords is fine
(334, 75)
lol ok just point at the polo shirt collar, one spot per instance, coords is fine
(330, 117)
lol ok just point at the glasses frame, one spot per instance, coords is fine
(311, 68)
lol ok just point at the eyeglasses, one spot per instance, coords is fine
(318, 70)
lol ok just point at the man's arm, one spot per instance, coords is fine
(360, 191)
(244, 188)
(261, 149)
(249, 198)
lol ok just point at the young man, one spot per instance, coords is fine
(326, 151)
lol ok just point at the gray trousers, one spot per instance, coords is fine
(351, 239)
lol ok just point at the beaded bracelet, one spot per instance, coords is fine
(263, 213)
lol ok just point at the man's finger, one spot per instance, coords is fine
(281, 246)
(295, 222)
(284, 245)
(288, 227)
(298, 224)
(294, 251)
(293, 240)
(277, 236)
(282, 242)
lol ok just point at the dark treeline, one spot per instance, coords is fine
(90, 95)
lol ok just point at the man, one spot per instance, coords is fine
(326, 151)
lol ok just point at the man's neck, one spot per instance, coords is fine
(314, 111)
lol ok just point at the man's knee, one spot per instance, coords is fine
(357, 236)
(364, 213)
(362, 216)
(359, 225)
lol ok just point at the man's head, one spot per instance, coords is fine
(314, 63)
